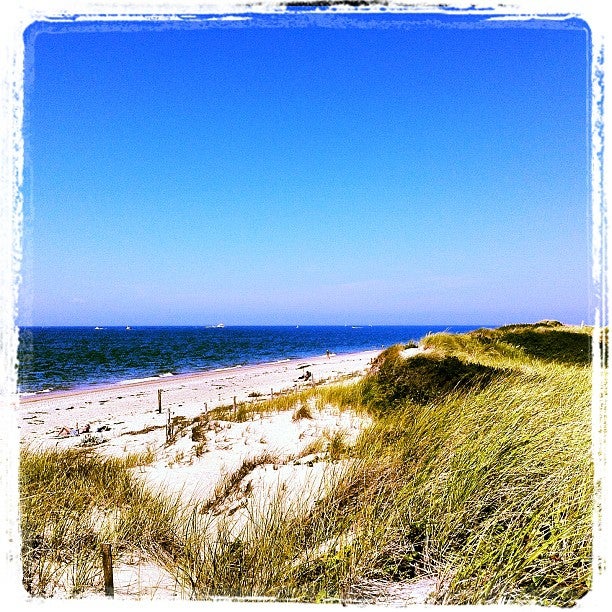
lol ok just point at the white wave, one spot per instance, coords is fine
(30, 393)
(130, 381)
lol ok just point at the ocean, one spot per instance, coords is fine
(60, 358)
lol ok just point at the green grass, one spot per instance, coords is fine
(71, 502)
(343, 395)
(421, 379)
(477, 470)
(489, 487)
(519, 344)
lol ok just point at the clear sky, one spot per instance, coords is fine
(291, 170)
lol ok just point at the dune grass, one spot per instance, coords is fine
(343, 395)
(71, 502)
(477, 471)
(495, 485)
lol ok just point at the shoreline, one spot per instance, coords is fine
(134, 406)
(34, 396)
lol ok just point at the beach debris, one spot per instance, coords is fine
(91, 440)
(308, 460)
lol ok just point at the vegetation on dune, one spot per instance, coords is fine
(71, 502)
(476, 471)
(548, 341)
(420, 379)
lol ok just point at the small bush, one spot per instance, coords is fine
(198, 431)
(90, 440)
(422, 379)
(337, 447)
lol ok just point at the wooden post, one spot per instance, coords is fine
(271, 392)
(159, 392)
(234, 406)
(169, 428)
(107, 564)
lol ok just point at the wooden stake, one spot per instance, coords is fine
(159, 392)
(234, 406)
(107, 564)
(169, 427)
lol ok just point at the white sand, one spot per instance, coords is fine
(195, 469)
(192, 469)
(130, 407)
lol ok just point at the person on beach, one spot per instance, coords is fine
(327, 353)
(65, 432)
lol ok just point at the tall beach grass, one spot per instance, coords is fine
(477, 473)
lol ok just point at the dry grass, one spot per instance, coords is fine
(487, 488)
(303, 412)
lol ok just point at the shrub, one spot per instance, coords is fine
(198, 431)
(422, 379)
(338, 448)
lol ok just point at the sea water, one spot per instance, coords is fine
(54, 358)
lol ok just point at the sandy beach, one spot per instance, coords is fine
(133, 405)
(280, 458)
(124, 418)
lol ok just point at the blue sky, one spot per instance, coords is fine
(394, 169)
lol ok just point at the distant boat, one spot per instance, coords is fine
(98, 327)
(220, 325)
(128, 327)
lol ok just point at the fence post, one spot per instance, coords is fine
(234, 406)
(169, 427)
(159, 409)
(107, 564)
